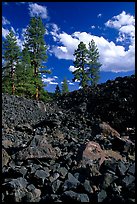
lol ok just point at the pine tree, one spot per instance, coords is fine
(93, 63)
(87, 64)
(25, 76)
(65, 88)
(11, 55)
(80, 64)
(37, 48)
(57, 91)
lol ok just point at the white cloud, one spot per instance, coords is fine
(5, 21)
(92, 26)
(112, 57)
(38, 10)
(54, 31)
(72, 68)
(5, 32)
(121, 20)
(99, 15)
(49, 80)
(70, 83)
(125, 24)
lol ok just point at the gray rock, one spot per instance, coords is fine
(63, 172)
(121, 168)
(71, 195)
(54, 177)
(128, 180)
(131, 169)
(41, 175)
(108, 179)
(38, 148)
(87, 186)
(55, 185)
(70, 183)
(102, 195)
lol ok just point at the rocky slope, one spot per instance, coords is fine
(78, 148)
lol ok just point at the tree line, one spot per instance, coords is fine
(22, 69)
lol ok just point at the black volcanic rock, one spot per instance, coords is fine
(79, 147)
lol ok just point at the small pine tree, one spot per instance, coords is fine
(57, 91)
(65, 88)
(11, 56)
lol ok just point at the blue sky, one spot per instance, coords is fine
(110, 24)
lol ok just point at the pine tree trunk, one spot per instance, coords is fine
(13, 85)
(35, 73)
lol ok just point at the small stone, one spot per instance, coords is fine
(121, 168)
(63, 172)
(55, 185)
(80, 197)
(108, 179)
(102, 195)
(71, 182)
(131, 169)
(128, 180)
(87, 186)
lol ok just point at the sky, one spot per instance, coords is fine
(110, 24)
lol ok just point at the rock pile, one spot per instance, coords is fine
(78, 148)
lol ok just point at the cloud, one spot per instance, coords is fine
(125, 24)
(99, 15)
(70, 83)
(121, 20)
(5, 21)
(72, 68)
(112, 57)
(5, 32)
(49, 80)
(92, 26)
(38, 10)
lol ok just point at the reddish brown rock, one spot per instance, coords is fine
(107, 130)
(93, 152)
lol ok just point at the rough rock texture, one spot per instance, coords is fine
(78, 148)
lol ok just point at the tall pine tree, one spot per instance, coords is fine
(25, 76)
(80, 64)
(11, 55)
(37, 48)
(93, 63)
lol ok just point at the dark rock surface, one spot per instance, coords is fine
(78, 148)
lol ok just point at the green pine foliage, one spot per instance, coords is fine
(11, 56)
(94, 65)
(37, 48)
(65, 88)
(86, 64)
(80, 64)
(25, 76)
